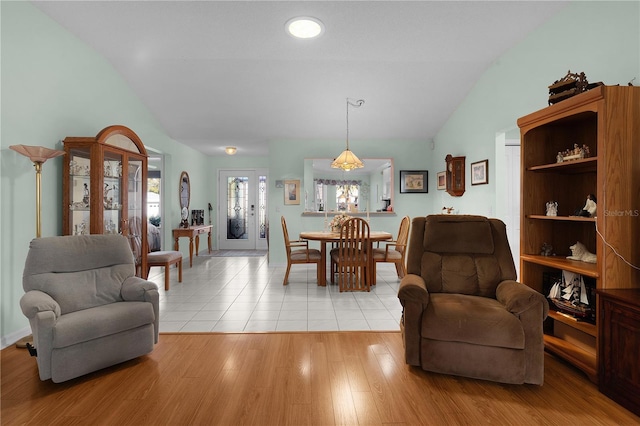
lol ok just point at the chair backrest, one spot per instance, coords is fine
(135, 239)
(79, 272)
(354, 236)
(403, 234)
(354, 239)
(285, 233)
(460, 254)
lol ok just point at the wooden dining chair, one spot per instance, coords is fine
(394, 252)
(164, 258)
(351, 256)
(298, 252)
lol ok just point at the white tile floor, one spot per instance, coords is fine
(235, 294)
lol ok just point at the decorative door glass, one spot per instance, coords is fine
(262, 207)
(237, 207)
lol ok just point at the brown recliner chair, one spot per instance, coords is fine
(464, 313)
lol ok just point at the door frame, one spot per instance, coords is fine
(258, 243)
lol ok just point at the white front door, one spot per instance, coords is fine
(242, 216)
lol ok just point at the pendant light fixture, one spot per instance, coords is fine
(348, 160)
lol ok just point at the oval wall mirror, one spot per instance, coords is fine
(185, 191)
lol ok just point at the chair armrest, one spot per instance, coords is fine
(35, 301)
(414, 298)
(43, 313)
(518, 298)
(299, 243)
(413, 288)
(386, 250)
(135, 289)
(531, 308)
(386, 242)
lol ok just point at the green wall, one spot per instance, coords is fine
(601, 39)
(53, 86)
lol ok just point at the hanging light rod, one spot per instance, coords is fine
(347, 160)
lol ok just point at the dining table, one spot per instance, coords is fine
(326, 237)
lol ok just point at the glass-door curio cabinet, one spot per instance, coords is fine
(105, 187)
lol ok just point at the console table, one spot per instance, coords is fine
(191, 232)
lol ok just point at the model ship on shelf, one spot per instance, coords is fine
(569, 295)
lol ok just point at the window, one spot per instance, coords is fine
(347, 195)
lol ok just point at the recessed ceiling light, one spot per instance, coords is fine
(304, 27)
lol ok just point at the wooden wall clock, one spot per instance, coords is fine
(455, 175)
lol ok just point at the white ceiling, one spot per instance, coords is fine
(219, 73)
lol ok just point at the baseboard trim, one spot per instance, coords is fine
(12, 338)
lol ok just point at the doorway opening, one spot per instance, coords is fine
(155, 165)
(508, 189)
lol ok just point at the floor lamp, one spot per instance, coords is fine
(38, 155)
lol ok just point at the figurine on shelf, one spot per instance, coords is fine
(589, 209)
(578, 152)
(579, 252)
(552, 208)
(106, 194)
(547, 249)
(85, 196)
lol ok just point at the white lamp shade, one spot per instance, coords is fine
(347, 161)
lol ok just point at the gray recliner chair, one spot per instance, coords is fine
(86, 307)
(464, 312)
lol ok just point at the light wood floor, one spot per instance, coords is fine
(346, 378)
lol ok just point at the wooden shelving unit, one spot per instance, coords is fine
(607, 120)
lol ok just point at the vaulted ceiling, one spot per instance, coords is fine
(220, 73)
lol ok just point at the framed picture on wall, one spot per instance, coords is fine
(292, 191)
(414, 181)
(480, 172)
(441, 177)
